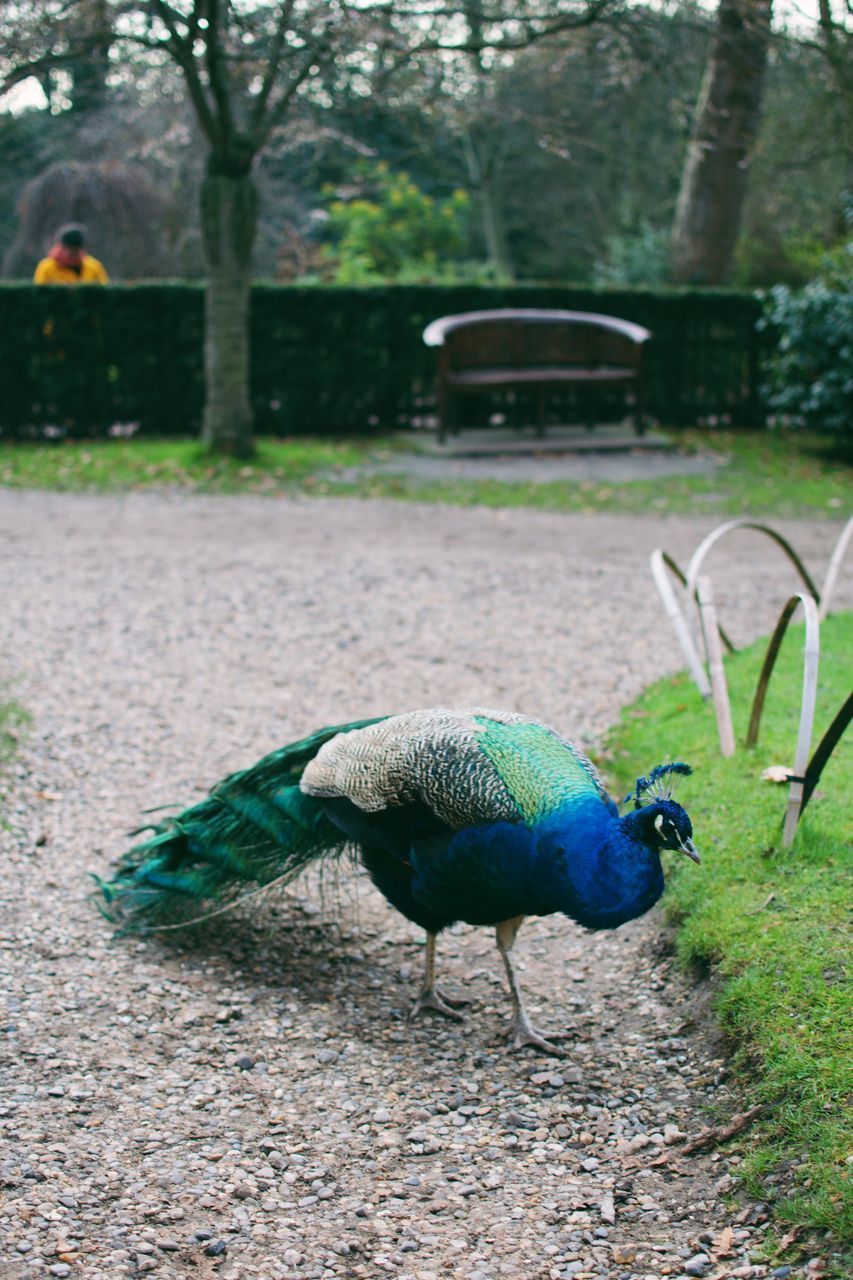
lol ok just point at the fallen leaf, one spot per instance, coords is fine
(723, 1245)
(776, 773)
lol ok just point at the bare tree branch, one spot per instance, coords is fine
(279, 109)
(217, 73)
(181, 49)
(273, 63)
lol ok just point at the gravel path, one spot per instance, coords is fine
(253, 1103)
(543, 467)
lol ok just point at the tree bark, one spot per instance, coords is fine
(90, 69)
(483, 168)
(228, 216)
(836, 41)
(728, 115)
(481, 152)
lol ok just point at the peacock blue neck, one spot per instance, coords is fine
(596, 867)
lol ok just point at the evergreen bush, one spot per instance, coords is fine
(331, 360)
(810, 367)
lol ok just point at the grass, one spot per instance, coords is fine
(764, 473)
(12, 722)
(119, 466)
(771, 923)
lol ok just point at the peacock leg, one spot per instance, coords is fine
(431, 996)
(522, 1031)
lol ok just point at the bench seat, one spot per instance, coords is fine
(505, 377)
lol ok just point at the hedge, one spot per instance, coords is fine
(330, 360)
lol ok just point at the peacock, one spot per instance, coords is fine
(462, 814)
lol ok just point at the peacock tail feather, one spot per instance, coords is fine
(255, 827)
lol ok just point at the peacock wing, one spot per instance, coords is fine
(468, 766)
(542, 770)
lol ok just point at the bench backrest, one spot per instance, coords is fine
(525, 338)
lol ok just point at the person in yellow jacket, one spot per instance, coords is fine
(68, 262)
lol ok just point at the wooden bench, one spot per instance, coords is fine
(510, 350)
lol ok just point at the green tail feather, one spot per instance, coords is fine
(255, 827)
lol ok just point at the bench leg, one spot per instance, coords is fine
(639, 417)
(452, 414)
(445, 413)
(540, 414)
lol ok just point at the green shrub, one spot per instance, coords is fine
(810, 368)
(400, 234)
(640, 258)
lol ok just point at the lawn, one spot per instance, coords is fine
(769, 923)
(119, 466)
(764, 473)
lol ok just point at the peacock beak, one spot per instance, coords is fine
(688, 847)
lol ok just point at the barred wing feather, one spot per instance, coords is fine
(469, 766)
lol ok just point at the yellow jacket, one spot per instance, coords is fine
(49, 271)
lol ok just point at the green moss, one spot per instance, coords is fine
(771, 922)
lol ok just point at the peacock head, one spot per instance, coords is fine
(665, 824)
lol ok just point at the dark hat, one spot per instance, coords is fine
(72, 235)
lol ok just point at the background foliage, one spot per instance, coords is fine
(594, 123)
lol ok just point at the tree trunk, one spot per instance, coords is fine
(228, 216)
(837, 43)
(90, 69)
(728, 114)
(482, 152)
(483, 166)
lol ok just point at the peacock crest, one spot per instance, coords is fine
(661, 784)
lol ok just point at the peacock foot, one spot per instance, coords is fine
(434, 998)
(523, 1033)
